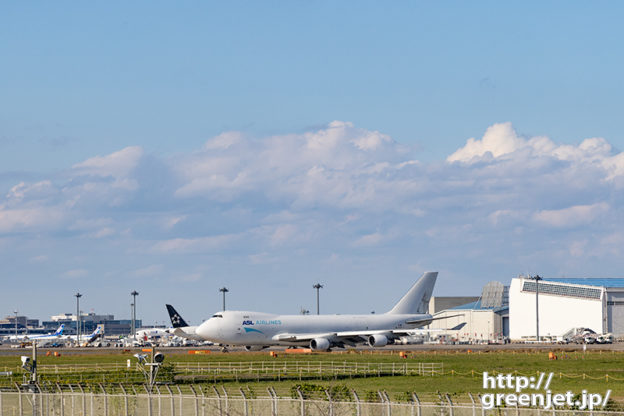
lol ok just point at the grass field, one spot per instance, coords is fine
(594, 371)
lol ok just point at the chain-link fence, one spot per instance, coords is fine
(164, 401)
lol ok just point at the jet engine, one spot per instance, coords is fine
(377, 340)
(255, 347)
(319, 344)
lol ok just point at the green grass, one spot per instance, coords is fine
(463, 371)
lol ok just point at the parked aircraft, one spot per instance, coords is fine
(58, 334)
(257, 330)
(179, 326)
(86, 338)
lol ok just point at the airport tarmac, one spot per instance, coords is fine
(6, 350)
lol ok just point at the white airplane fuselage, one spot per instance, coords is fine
(322, 332)
(257, 328)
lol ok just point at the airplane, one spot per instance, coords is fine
(86, 339)
(58, 334)
(256, 330)
(146, 334)
(180, 327)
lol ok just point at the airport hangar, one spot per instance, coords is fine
(485, 318)
(565, 303)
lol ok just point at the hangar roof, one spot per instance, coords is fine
(601, 282)
(477, 306)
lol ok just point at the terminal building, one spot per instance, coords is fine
(564, 304)
(88, 323)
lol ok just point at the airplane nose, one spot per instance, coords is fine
(207, 330)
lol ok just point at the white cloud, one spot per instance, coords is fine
(501, 142)
(40, 259)
(338, 190)
(369, 240)
(24, 219)
(117, 165)
(149, 271)
(36, 190)
(498, 140)
(75, 274)
(572, 216)
(194, 245)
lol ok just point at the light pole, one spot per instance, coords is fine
(537, 278)
(15, 324)
(78, 296)
(317, 286)
(134, 294)
(224, 290)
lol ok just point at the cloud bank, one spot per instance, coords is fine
(496, 205)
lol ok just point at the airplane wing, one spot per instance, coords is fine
(427, 321)
(288, 337)
(357, 337)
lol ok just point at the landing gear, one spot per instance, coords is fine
(224, 349)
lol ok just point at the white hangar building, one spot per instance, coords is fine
(485, 318)
(564, 304)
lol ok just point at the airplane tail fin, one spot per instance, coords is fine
(97, 332)
(416, 300)
(60, 330)
(176, 319)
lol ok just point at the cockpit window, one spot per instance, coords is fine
(217, 316)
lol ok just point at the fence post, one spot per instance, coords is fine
(171, 400)
(483, 410)
(273, 401)
(448, 398)
(388, 403)
(84, 400)
(358, 409)
(149, 400)
(227, 404)
(125, 395)
(331, 405)
(302, 402)
(71, 389)
(417, 402)
(474, 409)
(244, 401)
(19, 399)
(218, 400)
(62, 406)
(159, 399)
(203, 401)
(181, 400)
(196, 404)
(382, 398)
(91, 403)
(105, 400)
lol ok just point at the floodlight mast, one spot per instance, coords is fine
(134, 294)
(78, 296)
(317, 286)
(224, 290)
(537, 278)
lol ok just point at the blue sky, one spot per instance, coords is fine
(175, 148)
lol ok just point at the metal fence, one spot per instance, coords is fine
(214, 372)
(323, 367)
(211, 401)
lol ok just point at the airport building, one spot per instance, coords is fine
(89, 322)
(564, 304)
(24, 325)
(485, 319)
